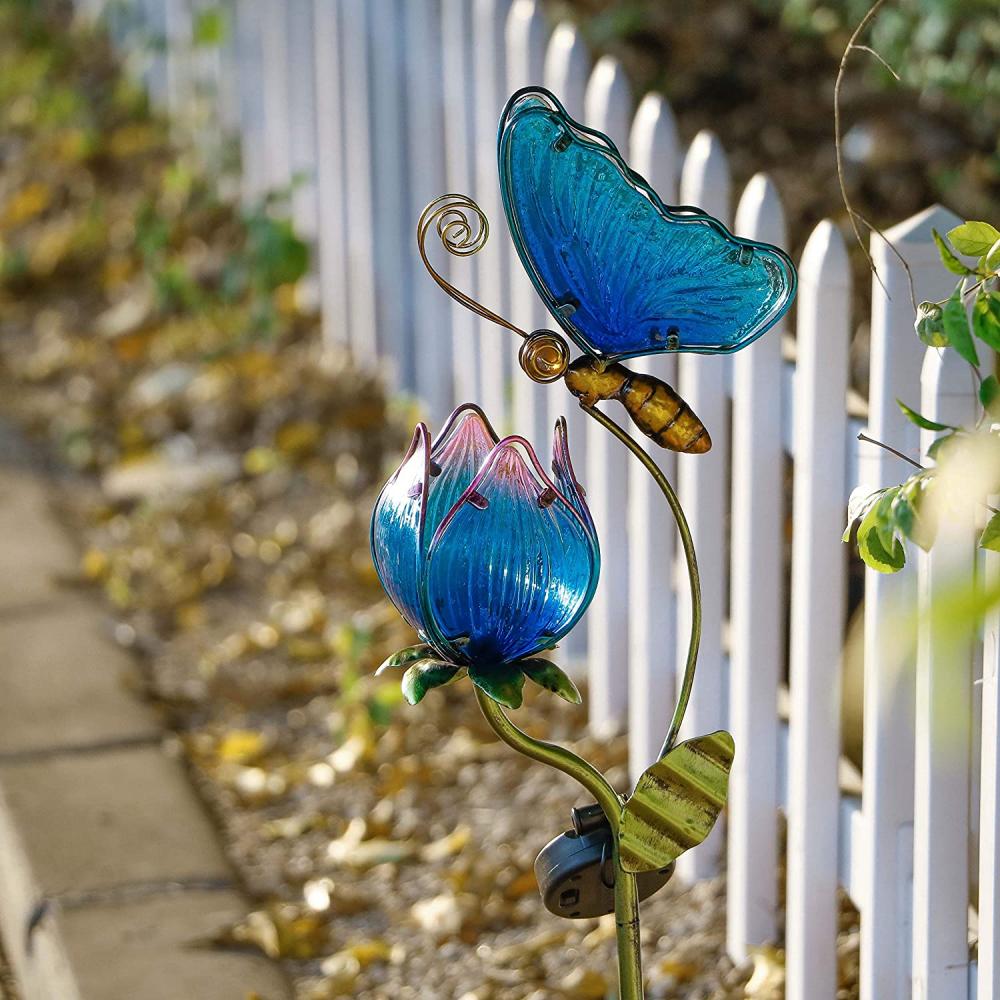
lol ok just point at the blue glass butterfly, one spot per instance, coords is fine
(623, 274)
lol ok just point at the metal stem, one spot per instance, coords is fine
(627, 933)
(626, 891)
(555, 756)
(692, 565)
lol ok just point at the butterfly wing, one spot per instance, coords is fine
(622, 273)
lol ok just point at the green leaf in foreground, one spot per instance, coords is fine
(921, 421)
(989, 395)
(875, 554)
(929, 324)
(948, 257)
(424, 675)
(992, 259)
(956, 327)
(986, 318)
(973, 238)
(990, 538)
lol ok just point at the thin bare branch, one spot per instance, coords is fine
(888, 447)
(872, 52)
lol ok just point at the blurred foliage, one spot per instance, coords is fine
(948, 47)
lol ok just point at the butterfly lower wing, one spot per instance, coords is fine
(623, 274)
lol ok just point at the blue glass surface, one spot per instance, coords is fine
(622, 273)
(480, 551)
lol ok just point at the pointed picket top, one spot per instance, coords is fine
(654, 149)
(917, 229)
(824, 260)
(526, 34)
(607, 103)
(567, 65)
(760, 214)
(705, 181)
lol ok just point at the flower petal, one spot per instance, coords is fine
(504, 683)
(513, 565)
(566, 479)
(398, 527)
(457, 455)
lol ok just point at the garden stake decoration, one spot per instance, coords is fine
(492, 562)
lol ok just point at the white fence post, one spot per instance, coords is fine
(817, 616)
(249, 58)
(393, 231)
(757, 615)
(989, 805)
(526, 37)
(567, 67)
(358, 195)
(655, 154)
(887, 799)
(301, 113)
(459, 140)
(943, 723)
(703, 488)
(330, 173)
(496, 346)
(608, 108)
(274, 79)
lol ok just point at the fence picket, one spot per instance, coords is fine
(490, 86)
(358, 195)
(988, 973)
(274, 80)
(655, 154)
(301, 112)
(943, 723)
(608, 108)
(703, 488)
(459, 69)
(887, 799)
(330, 172)
(757, 613)
(526, 39)
(392, 229)
(817, 616)
(252, 143)
(566, 70)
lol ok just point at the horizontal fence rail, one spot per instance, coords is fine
(364, 112)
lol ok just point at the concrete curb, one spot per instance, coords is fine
(111, 874)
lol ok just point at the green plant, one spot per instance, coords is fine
(967, 458)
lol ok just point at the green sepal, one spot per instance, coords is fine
(426, 674)
(547, 675)
(676, 803)
(990, 538)
(503, 683)
(404, 657)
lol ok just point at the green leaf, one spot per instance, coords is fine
(424, 675)
(503, 683)
(938, 443)
(404, 657)
(973, 238)
(989, 395)
(209, 27)
(921, 421)
(882, 519)
(922, 529)
(992, 258)
(547, 675)
(874, 554)
(990, 538)
(929, 324)
(986, 318)
(858, 504)
(956, 327)
(948, 257)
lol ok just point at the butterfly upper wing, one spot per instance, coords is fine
(622, 273)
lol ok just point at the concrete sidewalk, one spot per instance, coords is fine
(111, 875)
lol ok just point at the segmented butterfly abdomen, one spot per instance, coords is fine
(654, 407)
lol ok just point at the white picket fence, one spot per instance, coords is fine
(381, 106)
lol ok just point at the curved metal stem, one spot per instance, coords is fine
(555, 756)
(692, 565)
